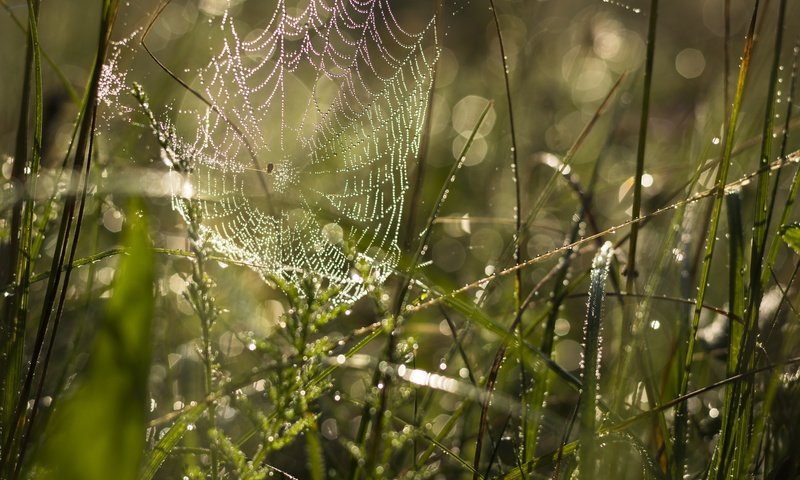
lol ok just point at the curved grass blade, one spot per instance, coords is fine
(514, 159)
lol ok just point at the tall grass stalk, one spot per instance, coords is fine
(642, 144)
(681, 432)
(628, 322)
(738, 422)
(20, 421)
(14, 261)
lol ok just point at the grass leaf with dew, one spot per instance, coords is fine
(169, 440)
(791, 236)
(591, 361)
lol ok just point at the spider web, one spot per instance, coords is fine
(302, 154)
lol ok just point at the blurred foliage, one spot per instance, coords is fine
(97, 431)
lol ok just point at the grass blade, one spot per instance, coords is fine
(795, 185)
(514, 159)
(629, 312)
(316, 459)
(681, 414)
(736, 305)
(53, 304)
(737, 419)
(640, 153)
(591, 361)
(166, 443)
(15, 261)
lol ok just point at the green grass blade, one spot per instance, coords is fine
(53, 303)
(737, 414)
(98, 432)
(630, 284)
(681, 414)
(314, 453)
(736, 267)
(795, 185)
(762, 214)
(629, 311)
(15, 264)
(736, 306)
(517, 206)
(514, 158)
(591, 361)
(166, 443)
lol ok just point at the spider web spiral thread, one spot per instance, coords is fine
(305, 147)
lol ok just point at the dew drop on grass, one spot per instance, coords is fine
(655, 324)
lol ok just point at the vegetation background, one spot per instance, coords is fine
(591, 360)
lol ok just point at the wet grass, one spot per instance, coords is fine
(594, 341)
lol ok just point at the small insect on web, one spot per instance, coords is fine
(306, 143)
